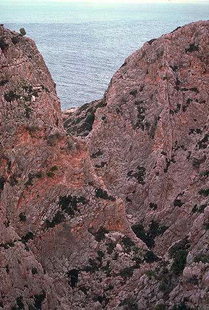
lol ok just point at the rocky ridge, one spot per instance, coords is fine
(114, 214)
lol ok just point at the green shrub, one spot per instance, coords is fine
(100, 234)
(128, 244)
(100, 193)
(50, 174)
(204, 192)
(160, 307)
(22, 217)
(2, 182)
(127, 272)
(69, 204)
(57, 219)
(179, 261)
(204, 258)
(54, 168)
(150, 257)
(22, 31)
(151, 274)
(129, 304)
(154, 230)
(181, 306)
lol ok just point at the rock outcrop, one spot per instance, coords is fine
(114, 214)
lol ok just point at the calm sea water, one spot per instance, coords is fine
(84, 45)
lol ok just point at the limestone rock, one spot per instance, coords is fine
(149, 144)
(113, 213)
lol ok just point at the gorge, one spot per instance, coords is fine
(106, 206)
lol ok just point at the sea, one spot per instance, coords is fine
(83, 44)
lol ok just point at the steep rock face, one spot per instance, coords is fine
(149, 144)
(68, 203)
(55, 212)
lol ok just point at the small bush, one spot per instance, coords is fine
(22, 217)
(11, 96)
(206, 226)
(199, 209)
(181, 306)
(22, 31)
(34, 270)
(38, 300)
(129, 304)
(27, 237)
(179, 261)
(153, 206)
(100, 193)
(15, 40)
(57, 219)
(99, 234)
(128, 244)
(50, 174)
(127, 272)
(150, 257)
(160, 307)
(151, 274)
(3, 44)
(154, 230)
(2, 182)
(69, 204)
(204, 258)
(204, 192)
(73, 277)
(54, 168)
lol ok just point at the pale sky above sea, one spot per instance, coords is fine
(97, 2)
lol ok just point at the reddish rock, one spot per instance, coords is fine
(149, 144)
(115, 218)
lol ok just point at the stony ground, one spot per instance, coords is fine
(114, 213)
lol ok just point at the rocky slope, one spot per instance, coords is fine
(114, 214)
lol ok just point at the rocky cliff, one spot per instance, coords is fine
(111, 210)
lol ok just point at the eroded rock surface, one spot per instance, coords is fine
(149, 144)
(117, 217)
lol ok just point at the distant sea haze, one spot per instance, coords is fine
(84, 45)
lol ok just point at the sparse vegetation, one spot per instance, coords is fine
(160, 307)
(38, 300)
(15, 39)
(128, 244)
(150, 257)
(127, 272)
(204, 258)
(153, 206)
(181, 306)
(22, 217)
(178, 203)
(129, 304)
(99, 234)
(3, 44)
(50, 174)
(179, 254)
(192, 48)
(57, 219)
(151, 274)
(27, 237)
(22, 31)
(204, 192)
(69, 204)
(139, 174)
(154, 230)
(34, 270)
(100, 193)
(2, 182)
(73, 277)
(199, 209)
